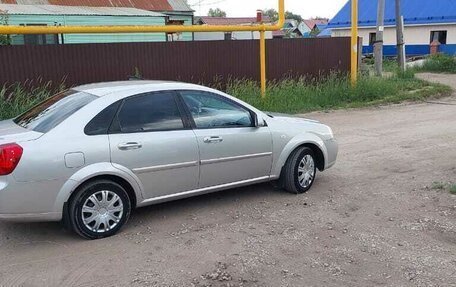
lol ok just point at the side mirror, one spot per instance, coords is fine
(258, 123)
(255, 120)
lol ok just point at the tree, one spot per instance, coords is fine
(4, 39)
(272, 14)
(290, 15)
(217, 12)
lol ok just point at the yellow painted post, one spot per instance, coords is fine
(354, 42)
(263, 63)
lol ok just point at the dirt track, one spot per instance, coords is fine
(371, 220)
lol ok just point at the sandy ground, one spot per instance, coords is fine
(372, 220)
(446, 79)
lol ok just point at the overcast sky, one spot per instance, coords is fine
(247, 8)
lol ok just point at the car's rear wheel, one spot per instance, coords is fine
(299, 172)
(99, 209)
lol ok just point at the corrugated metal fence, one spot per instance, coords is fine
(199, 62)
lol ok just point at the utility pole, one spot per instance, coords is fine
(400, 36)
(378, 44)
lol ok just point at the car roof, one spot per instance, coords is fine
(105, 88)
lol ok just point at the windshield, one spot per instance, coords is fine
(50, 113)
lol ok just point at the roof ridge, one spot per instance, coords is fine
(148, 5)
(415, 12)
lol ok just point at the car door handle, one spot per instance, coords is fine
(129, 146)
(213, 139)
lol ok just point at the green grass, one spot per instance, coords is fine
(438, 185)
(390, 65)
(287, 96)
(298, 96)
(17, 98)
(453, 189)
(440, 63)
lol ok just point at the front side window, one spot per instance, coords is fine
(48, 114)
(212, 111)
(150, 112)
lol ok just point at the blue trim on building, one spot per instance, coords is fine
(448, 49)
(411, 50)
(391, 50)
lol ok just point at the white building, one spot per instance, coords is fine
(425, 21)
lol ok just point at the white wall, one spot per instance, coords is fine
(213, 36)
(413, 35)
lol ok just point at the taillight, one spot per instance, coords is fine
(10, 154)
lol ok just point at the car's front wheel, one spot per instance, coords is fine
(299, 171)
(99, 209)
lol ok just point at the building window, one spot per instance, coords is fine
(440, 36)
(372, 38)
(39, 39)
(173, 37)
(228, 36)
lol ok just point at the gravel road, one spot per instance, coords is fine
(372, 220)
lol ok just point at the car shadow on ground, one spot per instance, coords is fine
(178, 209)
(206, 204)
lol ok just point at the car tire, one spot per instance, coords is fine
(300, 170)
(99, 209)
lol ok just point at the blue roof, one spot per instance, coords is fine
(321, 27)
(325, 33)
(415, 12)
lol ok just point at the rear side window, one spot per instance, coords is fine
(100, 124)
(150, 112)
(50, 113)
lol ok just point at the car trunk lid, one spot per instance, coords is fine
(11, 132)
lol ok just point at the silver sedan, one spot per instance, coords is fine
(90, 155)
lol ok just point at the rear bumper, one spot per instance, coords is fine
(28, 201)
(332, 149)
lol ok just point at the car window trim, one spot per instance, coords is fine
(115, 124)
(192, 120)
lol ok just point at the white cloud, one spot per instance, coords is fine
(247, 8)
